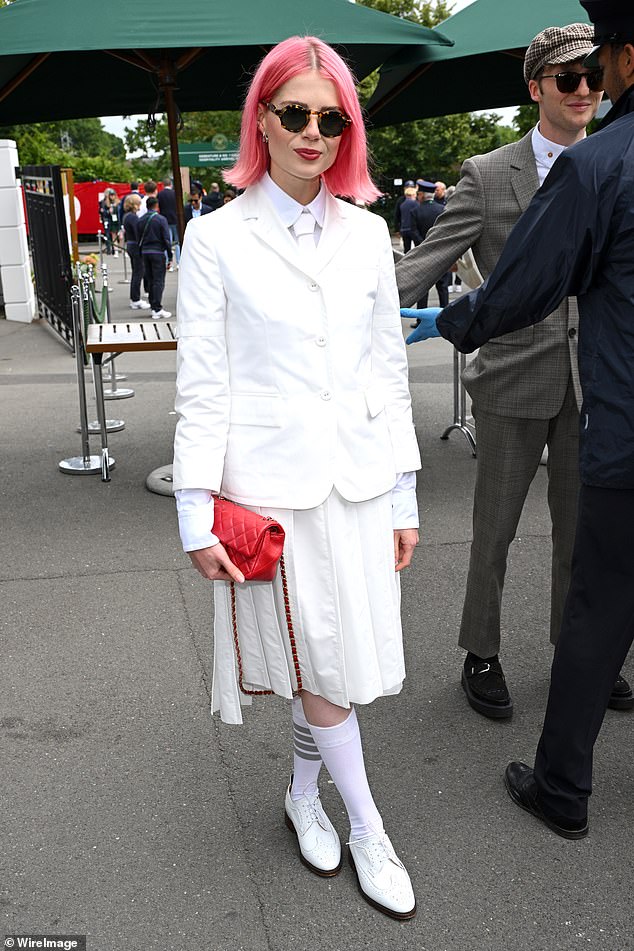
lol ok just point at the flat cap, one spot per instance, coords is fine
(557, 44)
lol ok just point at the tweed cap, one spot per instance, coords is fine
(558, 44)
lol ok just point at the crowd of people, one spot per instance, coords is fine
(146, 223)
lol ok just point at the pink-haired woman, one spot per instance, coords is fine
(293, 400)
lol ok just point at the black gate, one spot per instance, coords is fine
(48, 234)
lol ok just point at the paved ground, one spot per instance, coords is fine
(132, 817)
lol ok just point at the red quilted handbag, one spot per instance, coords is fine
(253, 542)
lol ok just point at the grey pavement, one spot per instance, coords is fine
(132, 817)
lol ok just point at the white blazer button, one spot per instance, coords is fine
(314, 287)
(326, 395)
(321, 341)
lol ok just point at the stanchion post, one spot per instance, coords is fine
(84, 464)
(114, 393)
(460, 403)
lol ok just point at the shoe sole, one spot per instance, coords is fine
(398, 915)
(564, 833)
(323, 873)
(495, 711)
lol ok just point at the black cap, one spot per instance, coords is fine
(613, 20)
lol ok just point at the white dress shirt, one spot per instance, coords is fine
(546, 153)
(195, 506)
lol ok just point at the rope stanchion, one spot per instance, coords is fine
(460, 403)
(115, 392)
(86, 464)
(86, 281)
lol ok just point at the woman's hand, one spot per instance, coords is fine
(405, 541)
(214, 564)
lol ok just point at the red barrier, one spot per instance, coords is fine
(87, 198)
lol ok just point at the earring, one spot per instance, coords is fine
(265, 138)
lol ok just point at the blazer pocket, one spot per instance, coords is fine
(375, 400)
(256, 409)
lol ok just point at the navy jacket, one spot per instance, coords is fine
(575, 238)
(408, 212)
(167, 205)
(425, 216)
(154, 234)
(204, 210)
(131, 228)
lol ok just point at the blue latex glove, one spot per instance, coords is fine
(427, 327)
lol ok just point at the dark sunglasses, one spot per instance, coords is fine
(330, 123)
(569, 82)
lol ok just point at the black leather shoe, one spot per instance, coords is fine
(621, 697)
(522, 788)
(484, 684)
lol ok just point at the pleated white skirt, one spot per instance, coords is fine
(345, 607)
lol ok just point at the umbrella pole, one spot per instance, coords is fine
(167, 83)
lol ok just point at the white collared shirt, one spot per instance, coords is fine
(288, 210)
(546, 153)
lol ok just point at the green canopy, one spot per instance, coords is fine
(482, 70)
(71, 59)
(62, 59)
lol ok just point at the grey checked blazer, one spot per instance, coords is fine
(525, 373)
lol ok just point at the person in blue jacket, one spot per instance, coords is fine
(577, 238)
(155, 243)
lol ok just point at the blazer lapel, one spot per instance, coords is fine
(265, 224)
(523, 172)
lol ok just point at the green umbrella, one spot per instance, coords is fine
(62, 59)
(482, 70)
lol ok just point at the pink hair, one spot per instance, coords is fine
(349, 174)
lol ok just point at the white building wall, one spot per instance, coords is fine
(15, 267)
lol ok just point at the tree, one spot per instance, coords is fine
(80, 144)
(426, 12)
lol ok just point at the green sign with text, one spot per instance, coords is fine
(220, 151)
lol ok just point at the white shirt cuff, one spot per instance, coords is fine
(404, 502)
(195, 518)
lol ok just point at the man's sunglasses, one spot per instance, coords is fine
(330, 123)
(569, 82)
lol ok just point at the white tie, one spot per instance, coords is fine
(304, 230)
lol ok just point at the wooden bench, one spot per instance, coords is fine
(116, 338)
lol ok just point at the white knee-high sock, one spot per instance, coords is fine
(342, 753)
(306, 756)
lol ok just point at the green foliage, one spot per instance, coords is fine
(426, 12)
(80, 144)
(526, 118)
(434, 148)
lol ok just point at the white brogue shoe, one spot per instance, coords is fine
(319, 846)
(382, 878)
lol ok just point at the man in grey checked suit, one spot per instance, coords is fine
(524, 386)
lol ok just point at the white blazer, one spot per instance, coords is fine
(292, 375)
